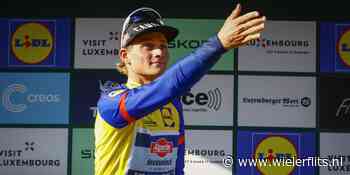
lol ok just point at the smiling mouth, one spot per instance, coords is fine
(157, 63)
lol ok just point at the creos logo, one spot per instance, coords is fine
(32, 43)
(212, 99)
(11, 90)
(272, 148)
(343, 47)
(6, 98)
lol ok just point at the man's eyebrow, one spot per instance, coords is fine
(145, 40)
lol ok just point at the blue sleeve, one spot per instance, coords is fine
(109, 109)
(138, 102)
(180, 160)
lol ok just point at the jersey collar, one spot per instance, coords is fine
(132, 84)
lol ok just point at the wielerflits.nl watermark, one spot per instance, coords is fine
(228, 161)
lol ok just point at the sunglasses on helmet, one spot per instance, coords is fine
(143, 14)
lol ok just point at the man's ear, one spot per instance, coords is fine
(123, 56)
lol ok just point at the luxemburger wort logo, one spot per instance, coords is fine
(272, 148)
(32, 43)
(343, 47)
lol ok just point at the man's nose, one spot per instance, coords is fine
(158, 52)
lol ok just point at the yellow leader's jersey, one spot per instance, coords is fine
(148, 145)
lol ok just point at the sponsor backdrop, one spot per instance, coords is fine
(193, 32)
(86, 90)
(33, 151)
(35, 43)
(34, 98)
(335, 102)
(97, 47)
(83, 151)
(281, 96)
(284, 46)
(203, 157)
(335, 47)
(339, 151)
(210, 101)
(275, 101)
(270, 145)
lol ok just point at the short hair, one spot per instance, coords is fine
(121, 66)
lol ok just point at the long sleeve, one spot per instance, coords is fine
(132, 104)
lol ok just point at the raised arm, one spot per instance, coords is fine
(132, 104)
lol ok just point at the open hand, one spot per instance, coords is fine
(238, 30)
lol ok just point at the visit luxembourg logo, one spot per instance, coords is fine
(342, 51)
(32, 42)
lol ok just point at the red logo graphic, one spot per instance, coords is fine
(161, 147)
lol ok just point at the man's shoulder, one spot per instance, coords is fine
(112, 88)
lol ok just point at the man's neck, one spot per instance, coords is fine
(140, 79)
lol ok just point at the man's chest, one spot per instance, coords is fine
(166, 118)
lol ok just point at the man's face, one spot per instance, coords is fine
(148, 55)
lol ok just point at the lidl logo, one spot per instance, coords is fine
(271, 149)
(343, 47)
(32, 42)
